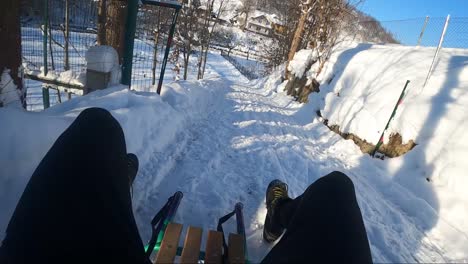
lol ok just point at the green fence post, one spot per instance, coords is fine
(400, 101)
(168, 48)
(45, 90)
(130, 26)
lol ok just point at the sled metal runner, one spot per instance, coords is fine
(166, 236)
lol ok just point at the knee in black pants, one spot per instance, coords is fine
(97, 121)
(334, 183)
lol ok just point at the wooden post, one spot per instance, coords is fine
(10, 42)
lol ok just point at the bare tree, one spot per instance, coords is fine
(318, 28)
(112, 16)
(187, 34)
(116, 18)
(289, 13)
(248, 6)
(66, 37)
(10, 43)
(209, 34)
(101, 22)
(307, 7)
(227, 38)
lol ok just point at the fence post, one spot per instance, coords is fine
(437, 50)
(45, 90)
(168, 48)
(130, 26)
(422, 31)
(381, 139)
(67, 35)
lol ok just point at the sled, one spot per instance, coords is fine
(164, 243)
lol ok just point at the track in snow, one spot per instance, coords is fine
(251, 136)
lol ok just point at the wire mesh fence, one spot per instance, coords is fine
(251, 69)
(55, 37)
(153, 25)
(457, 33)
(65, 40)
(423, 31)
(59, 32)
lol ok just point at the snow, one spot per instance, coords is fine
(104, 59)
(302, 59)
(9, 94)
(222, 140)
(366, 82)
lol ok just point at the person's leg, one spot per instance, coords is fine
(77, 204)
(323, 225)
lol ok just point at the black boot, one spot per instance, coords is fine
(277, 191)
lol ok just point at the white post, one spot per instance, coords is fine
(422, 31)
(437, 51)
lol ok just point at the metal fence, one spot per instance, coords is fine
(55, 37)
(423, 31)
(82, 20)
(57, 33)
(153, 25)
(251, 69)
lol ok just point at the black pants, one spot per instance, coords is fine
(323, 225)
(77, 207)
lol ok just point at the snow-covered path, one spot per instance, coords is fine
(252, 135)
(221, 141)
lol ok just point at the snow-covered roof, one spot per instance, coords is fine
(272, 18)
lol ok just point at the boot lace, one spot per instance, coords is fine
(278, 193)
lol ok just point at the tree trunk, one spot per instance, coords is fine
(186, 63)
(102, 19)
(51, 50)
(115, 33)
(297, 39)
(66, 34)
(204, 39)
(210, 35)
(185, 69)
(10, 42)
(155, 55)
(200, 62)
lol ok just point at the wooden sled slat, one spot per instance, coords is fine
(214, 248)
(236, 249)
(169, 244)
(192, 245)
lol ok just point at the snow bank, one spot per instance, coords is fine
(9, 94)
(302, 59)
(151, 123)
(360, 86)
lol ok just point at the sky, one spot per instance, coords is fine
(405, 19)
(385, 10)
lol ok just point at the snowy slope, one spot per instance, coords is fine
(223, 140)
(366, 83)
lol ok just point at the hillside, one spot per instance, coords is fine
(223, 139)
